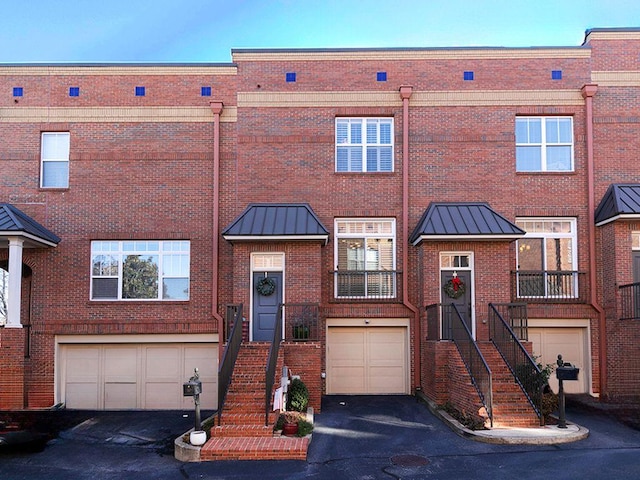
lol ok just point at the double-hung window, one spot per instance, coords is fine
(140, 270)
(365, 258)
(544, 144)
(54, 168)
(364, 144)
(547, 258)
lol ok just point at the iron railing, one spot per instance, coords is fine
(524, 369)
(439, 322)
(366, 284)
(301, 322)
(233, 317)
(474, 361)
(272, 362)
(630, 301)
(515, 314)
(548, 286)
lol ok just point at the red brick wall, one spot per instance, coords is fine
(12, 373)
(304, 359)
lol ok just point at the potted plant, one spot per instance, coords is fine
(300, 331)
(290, 423)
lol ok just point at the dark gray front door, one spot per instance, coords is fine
(462, 302)
(265, 306)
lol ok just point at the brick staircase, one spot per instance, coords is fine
(242, 434)
(510, 405)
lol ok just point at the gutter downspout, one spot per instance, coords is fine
(588, 92)
(216, 108)
(405, 94)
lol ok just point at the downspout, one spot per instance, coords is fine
(216, 108)
(405, 94)
(588, 92)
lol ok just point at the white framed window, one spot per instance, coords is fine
(364, 144)
(54, 155)
(544, 144)
(140, 270)
(547, 258)
(365, 258)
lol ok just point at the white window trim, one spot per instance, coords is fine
(121, 253)
(364, 143)
(543, 143)
(61, 159)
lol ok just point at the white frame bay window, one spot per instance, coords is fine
(140, 270)
(54, 160)
(544, 144)
(364, 144)
(547, 258)
(365, 258)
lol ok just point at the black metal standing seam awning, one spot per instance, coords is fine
(276, 221)
(620, 202)
(16, 223)
(463, 221)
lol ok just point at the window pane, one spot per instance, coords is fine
(55, 146)
(386, 159)
(385, 132)
(105, 288)
(105, 265)
(356, 132)
(372, 131)
(55, 174)
(559, 158)
(535, 130)
(372, 159)
(355, 159)
(140, 276)
(342, 161)
(175, 289)
(551, 130)
(342, 131)
(522, 130)
(565, 130)
(175, 265)
(528, 159)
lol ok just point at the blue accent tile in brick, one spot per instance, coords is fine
(467, 76)
(381, 76)
(556, 74)
(74, 91)
(140, 92)
(291, 76)
(17, 91)
(205, 91)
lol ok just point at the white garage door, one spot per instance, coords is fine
(136, 376)
(569, 342)
(367, 360)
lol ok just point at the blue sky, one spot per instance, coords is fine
(206, 30)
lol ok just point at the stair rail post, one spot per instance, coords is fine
(230, 355)
(272, 361)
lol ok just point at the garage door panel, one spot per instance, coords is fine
(570, 343)
(83, 396)
(162, 364)
(366, 360)
(120, 396)
(120, 364)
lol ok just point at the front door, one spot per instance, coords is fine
(267, 296)
(456, 286)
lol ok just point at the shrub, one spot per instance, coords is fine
(304, 428)
(298, 396)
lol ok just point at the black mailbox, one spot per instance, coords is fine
(191, 388)
(567, 372)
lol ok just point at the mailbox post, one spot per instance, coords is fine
(565, 371)
(193, 388)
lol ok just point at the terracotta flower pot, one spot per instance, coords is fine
(290, 429)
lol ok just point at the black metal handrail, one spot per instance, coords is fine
(548, 286)
(515, 314)
(301, 322)
(367, 284)
(630, 301)
(272, 362)
(234, 341)
(473, 359)
(524, 369)
(439, 322)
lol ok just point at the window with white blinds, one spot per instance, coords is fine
(54, 156)
(364, 144)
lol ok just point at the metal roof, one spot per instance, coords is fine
(281, 221)
(16, 223)
(463, 221)
(621, 201)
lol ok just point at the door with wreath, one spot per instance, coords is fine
(267, 295)
(456, 289)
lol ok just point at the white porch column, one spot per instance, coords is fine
(15, 283)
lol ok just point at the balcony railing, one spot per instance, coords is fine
(301, 322)
(439, 322)
(547, 286)
(365, 284)
(630, 301)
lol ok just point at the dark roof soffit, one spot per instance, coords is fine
(620, 201)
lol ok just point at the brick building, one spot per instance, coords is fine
(376, 200)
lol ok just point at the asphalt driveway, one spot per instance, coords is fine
(360, 437)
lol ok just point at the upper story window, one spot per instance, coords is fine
(140, 270)
(365, 258)
(544, 144)
(54, 169)
(364, 144)
(547, 258)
